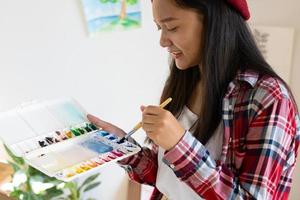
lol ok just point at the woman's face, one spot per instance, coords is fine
(181, 32)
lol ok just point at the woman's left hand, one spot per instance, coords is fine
(161, 126)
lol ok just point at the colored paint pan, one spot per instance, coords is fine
(92, 126)
(87, 128)
(105, 159)
(98, 161)
(92, 164)
(69, 134)
(117, 153)
(42, 143)
(60, 135)
(49, 140)
(69, 175)
(112, 156)
(79, 170)
(75, 132)
(81, 131)
(103, 133)
(111, 137)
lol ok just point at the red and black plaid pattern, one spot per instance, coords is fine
(260, 143)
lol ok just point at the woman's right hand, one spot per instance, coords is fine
(106, 126)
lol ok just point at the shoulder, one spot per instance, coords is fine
(269, 89)
(260, 92)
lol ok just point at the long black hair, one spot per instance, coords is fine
(229, 47)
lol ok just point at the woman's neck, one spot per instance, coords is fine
(194, 103)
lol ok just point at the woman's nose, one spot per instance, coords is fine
(164, 40)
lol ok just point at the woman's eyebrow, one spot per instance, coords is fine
(167, 19)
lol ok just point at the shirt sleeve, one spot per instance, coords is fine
(269, 145)
(142, 167)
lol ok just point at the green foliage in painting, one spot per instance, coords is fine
(130, 2)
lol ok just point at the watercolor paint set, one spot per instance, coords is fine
(56, 138)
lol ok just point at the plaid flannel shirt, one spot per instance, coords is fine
(260, 143)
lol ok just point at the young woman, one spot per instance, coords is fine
(232, 130)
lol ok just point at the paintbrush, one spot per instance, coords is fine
(139, 125)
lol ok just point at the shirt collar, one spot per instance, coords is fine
(248, 76)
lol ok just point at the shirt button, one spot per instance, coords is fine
(172, 166)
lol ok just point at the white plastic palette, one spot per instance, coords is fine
(56, 138)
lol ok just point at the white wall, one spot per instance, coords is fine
(45, 52)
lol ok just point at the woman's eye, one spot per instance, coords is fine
(166, 28)
(158, 27)
(172, 29)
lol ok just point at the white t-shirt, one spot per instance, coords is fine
(166, 180)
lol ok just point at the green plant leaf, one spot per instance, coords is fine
(132, 2)
(74, 192)
(108, 1)
(89, 180)
(32, 171)
(52, 192)
(91, 186)
(26, 196)
(14, 166)
(16, 159)
(33, 196)
(16, 193)
(36, 174)
(61, 198)
(25, 190)
(70, 185)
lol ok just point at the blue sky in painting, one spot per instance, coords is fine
(94, 9)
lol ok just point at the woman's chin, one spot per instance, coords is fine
(182, 66)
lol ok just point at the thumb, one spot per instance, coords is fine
(106, 126)
(97, 121)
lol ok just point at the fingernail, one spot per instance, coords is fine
(89, 115)
(143, 108)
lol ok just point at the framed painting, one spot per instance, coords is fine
(111, 15)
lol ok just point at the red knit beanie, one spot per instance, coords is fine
(241, 6)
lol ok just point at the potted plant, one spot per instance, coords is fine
(31, 184)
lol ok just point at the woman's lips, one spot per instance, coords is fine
(176, 55)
